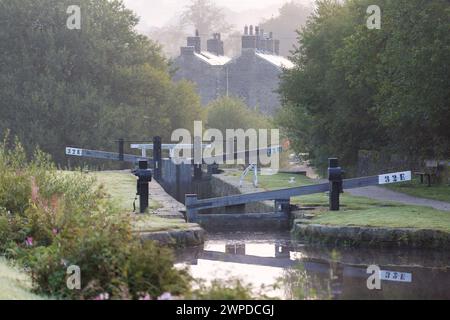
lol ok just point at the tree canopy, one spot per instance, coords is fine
(357, 88)
(84, 87)
(205, 16)
(232, 113)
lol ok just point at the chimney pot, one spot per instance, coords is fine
(195, 42)
(251, 30)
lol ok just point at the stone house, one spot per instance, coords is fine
(254, 76)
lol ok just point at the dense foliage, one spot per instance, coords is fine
(232, 113)
(50, 220)
(356, 88)
(84, 87)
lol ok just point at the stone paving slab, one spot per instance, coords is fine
(171, 208)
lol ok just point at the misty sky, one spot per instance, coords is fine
(159, 12)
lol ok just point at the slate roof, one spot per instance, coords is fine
(278, 61)
(212, 59)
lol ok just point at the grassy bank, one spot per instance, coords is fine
(15, 285)
(365, 212)
(149, 223)
(416, 189)
(121, 186)
(392, 217)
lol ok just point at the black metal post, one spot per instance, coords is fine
(121, 143)
(198, 172)
(283, 206)
(121, 148)
(335, 178)
(157, 158)
(143, 189)
(197, 146)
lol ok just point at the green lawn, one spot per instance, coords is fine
(15, 285)
(394, 217)
(361, 211)
(414, 188)
(121, 186)
(281, 181)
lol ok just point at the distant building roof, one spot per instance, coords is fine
(212, 59)
(279, 61)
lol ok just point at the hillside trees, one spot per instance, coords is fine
(84, 87)
(385, 90)
(232, 113)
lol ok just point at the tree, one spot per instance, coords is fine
(355, 88)
(205, 16)
(83, 87)
(232, 113)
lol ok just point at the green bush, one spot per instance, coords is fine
(232, 289)
(50, 220)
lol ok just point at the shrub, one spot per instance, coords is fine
(233, 289)
(50, 220)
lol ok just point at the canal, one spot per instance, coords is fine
(279, 267)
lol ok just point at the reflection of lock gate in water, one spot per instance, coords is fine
(346, 280)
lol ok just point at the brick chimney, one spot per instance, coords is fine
(195, 42)
(248, 39)
(187, 51)
(215, 45)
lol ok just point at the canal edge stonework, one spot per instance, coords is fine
(376, 237)
(190, 237)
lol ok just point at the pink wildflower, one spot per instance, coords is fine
(29, 241)
(102, 296)
(145, 297)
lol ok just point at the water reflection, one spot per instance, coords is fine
(291, 270)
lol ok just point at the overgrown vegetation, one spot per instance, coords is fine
(358, 89)
(234, 289)
(50, 221)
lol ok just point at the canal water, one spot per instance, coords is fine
(281, 268)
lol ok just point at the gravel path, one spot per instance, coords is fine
(383, 194)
